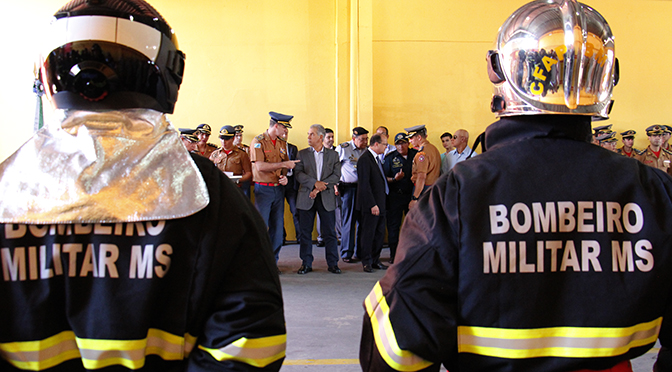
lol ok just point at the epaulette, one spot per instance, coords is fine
(639, 152)
(260, 137)
(213, 145)
(345, 144)
(282, 139)
(667, 151)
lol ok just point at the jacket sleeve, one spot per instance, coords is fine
(302, 176)
(239, 324)
(335, 174)
(410, 321)
(365, 196)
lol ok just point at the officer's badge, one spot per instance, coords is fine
(257, 145)
(421, 157)
(345, 144)
(282, 151)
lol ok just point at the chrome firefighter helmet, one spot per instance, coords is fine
(553, 57)
(111, 55)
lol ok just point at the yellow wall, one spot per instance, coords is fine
(345, 63)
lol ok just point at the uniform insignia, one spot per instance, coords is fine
(282, 151)
(213, 145)
(420, 156)
(639, 152)
(345, 144)
(257, 145)
(260, 137)
(668, 151)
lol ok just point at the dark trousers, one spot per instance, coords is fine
(397, 206)
(371, 239)
(290, 196)
(269, 201)
(327, 220)
(349, 220)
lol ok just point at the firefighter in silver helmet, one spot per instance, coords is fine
(115, 251)
(536, 255)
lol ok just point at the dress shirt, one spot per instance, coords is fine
(456, 157)
(319, 161)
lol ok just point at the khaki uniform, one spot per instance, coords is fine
(631, 155)
(236, 161)
(245, 148)
(263, 149)
(662, 162)
(427, 160)
(209, 149)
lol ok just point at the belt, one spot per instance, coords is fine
(347, 184)
(267, 184)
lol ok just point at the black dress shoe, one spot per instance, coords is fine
(368, 269)
(320, 243)
(304, 270)
(334, 269)
(379, 266)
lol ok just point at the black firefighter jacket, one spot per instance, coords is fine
(546, 253)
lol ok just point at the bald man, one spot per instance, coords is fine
(461, 151)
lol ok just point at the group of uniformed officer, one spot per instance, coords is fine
(657, 154)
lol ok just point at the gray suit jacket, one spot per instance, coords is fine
(305, 174)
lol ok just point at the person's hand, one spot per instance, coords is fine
(313, 194)
(412, 204)
(399, 176)
(283, 180)
(336, 190)
(375, 210)
(290, 164)
(320, 186)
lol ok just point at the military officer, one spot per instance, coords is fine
(230, 159)
(349, 153)
(607, 141)
(628, 139)
(655, 155)
(666, 136)
(597, 131)
(205, 148)
(238, 142)
(238, 139)
(270, 162)
(398, 167)
(426, 163)
(189, 139)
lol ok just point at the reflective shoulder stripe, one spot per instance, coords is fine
(95, 353)
(386, 341)
(563, 342)
(257, 352)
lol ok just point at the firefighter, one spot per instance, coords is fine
(535, 255)
(120, 250)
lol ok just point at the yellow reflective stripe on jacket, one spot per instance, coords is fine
(257, 352)
(386, 341)
(52, 351)
(564, 342)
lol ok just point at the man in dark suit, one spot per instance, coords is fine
(290, 192)
(371, 194)
(316, 174)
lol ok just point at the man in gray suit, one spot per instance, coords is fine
(317, 172)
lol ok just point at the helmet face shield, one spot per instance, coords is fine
(553, 57)
(109, 63)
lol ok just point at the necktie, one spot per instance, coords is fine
(380, 166)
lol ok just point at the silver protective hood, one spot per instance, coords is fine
(101, 167)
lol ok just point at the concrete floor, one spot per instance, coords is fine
(324, 314)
